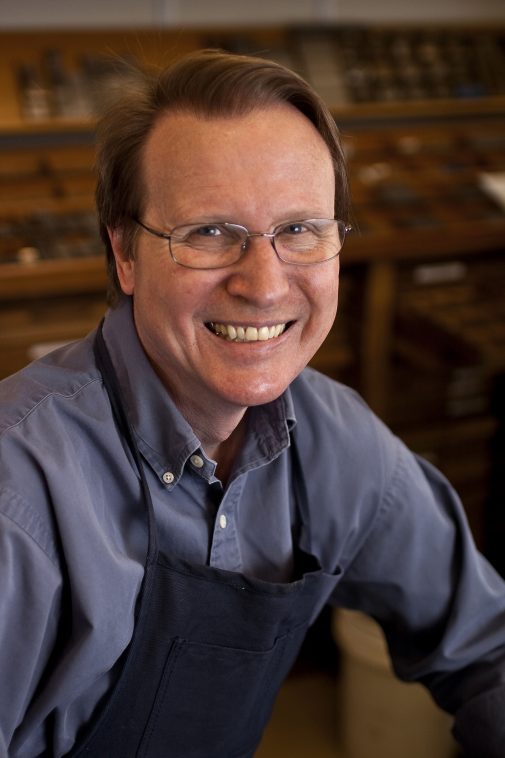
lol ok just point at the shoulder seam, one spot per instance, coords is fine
(15, 498)
(44, 398)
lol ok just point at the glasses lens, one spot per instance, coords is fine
(207, 245)
(217, 245)
(309, 241)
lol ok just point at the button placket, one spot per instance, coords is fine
(225, 549)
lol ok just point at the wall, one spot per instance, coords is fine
(126, 13)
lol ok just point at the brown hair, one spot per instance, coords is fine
(208, 83)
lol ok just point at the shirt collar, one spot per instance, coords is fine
(164, 437)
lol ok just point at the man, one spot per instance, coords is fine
(179, 496)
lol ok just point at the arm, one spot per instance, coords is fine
(441, 605)
(29, 602)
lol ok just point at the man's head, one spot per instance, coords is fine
(207, 84)
(231, 326)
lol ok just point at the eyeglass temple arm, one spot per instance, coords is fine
(162, 235)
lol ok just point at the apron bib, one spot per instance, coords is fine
(210, 647)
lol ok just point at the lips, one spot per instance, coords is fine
(234, 333)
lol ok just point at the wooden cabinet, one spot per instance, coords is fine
(420, 330)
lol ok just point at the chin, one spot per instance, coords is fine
(257, 395)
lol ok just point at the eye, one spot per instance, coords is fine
(211, 236)
(207, 230)
(200, 234)
(294, 228)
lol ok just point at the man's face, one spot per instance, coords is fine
(259, 170)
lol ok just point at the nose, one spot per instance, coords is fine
(259, 277)
(267, 235)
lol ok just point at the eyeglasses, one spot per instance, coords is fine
(220, 244)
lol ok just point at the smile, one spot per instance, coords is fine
(247, 333)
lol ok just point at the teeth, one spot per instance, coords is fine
(247, 334)
(263, 333)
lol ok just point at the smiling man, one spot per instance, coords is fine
(236, 333)
(179, 494)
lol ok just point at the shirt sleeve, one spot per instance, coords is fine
(29, 609)
(440, 603)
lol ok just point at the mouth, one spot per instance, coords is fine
(233, 333)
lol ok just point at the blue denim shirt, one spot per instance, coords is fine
(73, 536)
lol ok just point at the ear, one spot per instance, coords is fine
(125, 266)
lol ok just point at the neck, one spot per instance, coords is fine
(224, 447)
(220, 428)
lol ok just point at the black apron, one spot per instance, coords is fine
(210, 647)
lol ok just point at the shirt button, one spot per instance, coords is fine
(168, 477)
(197, 461)
(222, 521)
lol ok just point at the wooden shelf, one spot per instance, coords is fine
(150, 47)
(414, 171)
(49, 278)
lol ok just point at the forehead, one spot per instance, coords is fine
(266, 127)
(275, 147)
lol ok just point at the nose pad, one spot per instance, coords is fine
(266, 235)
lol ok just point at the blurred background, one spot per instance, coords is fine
(418, 91)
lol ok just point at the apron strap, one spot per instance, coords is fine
(111, 384)
(301, 494)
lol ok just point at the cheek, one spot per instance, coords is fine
(157, 283)
(176, 298)
(324, 297)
